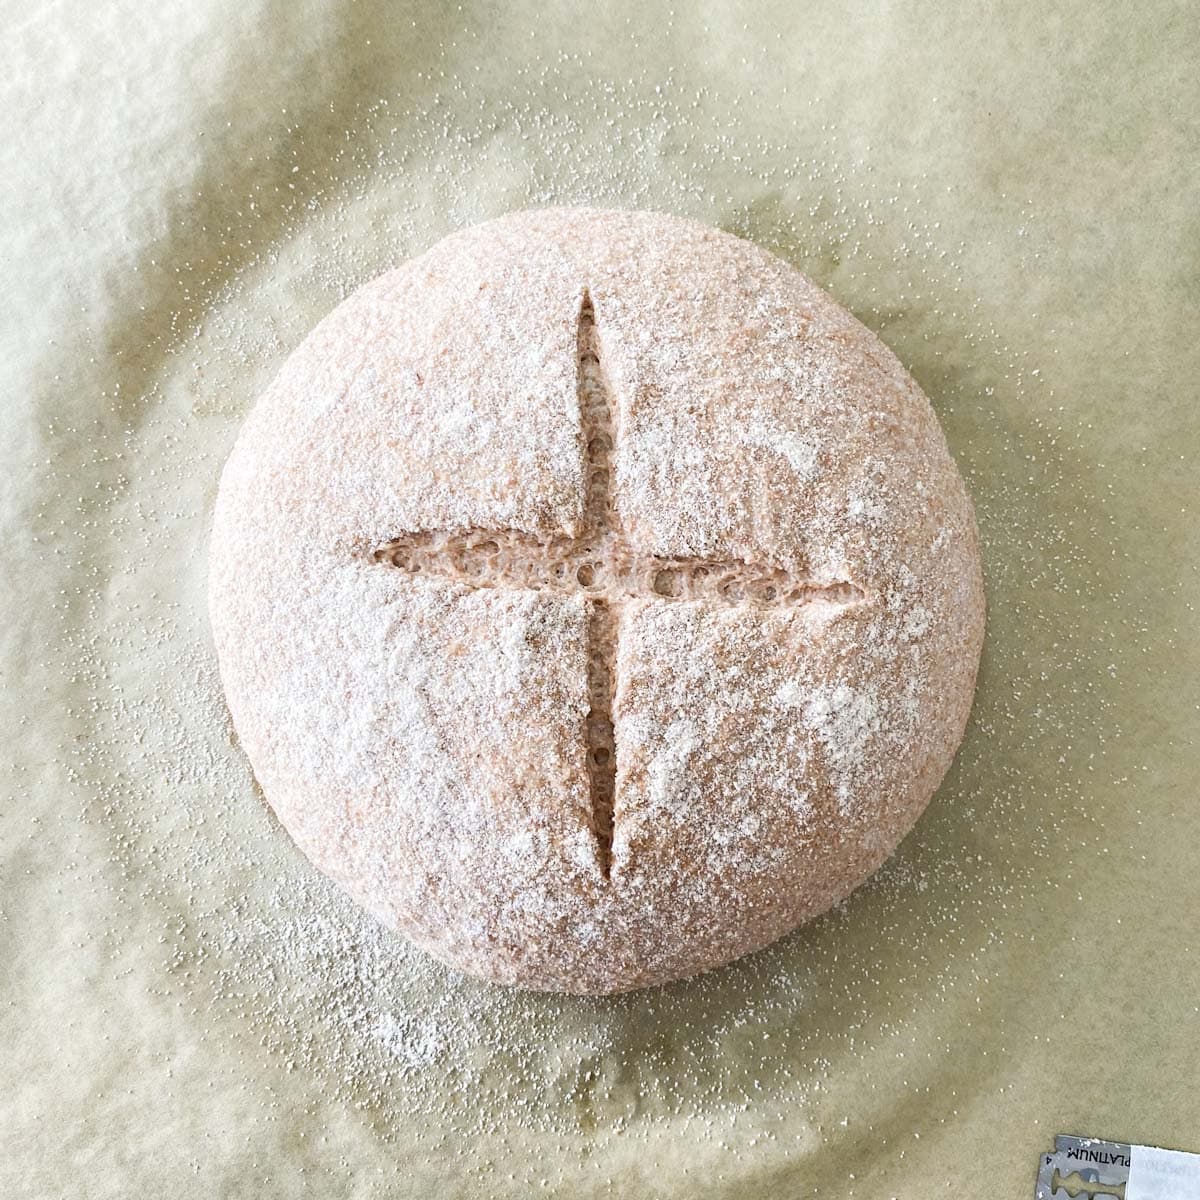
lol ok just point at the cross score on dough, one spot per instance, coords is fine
(601, 565)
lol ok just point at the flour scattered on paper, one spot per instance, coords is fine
(251, 929)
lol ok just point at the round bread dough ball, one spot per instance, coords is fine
(595, 599)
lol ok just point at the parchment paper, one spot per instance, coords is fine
(1006, 193)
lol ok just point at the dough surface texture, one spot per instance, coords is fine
(595, 599)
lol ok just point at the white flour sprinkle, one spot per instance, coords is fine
(257, 948)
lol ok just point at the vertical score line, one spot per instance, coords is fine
(596, 425)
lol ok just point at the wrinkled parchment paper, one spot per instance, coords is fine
(1006, 194)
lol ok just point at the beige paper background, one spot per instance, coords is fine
(1007, 194)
